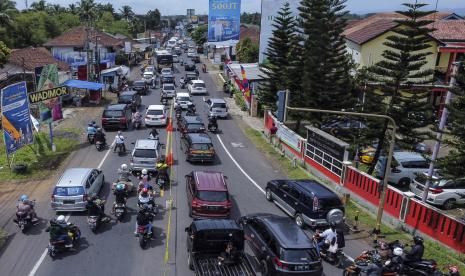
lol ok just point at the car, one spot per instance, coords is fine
(140, 86)
(155, 115)
(190, 76)
(280, 247)
(74, 187)
(175, 59)
(168, 90)
(166, 71)
(207, 195)
(404, 166)
(367, 153)
(183, 99)
(149, 78)
(131, 98)
(167, 79)
(195, 58)
(198, 147)
(150, 69)
(445, 193)
(342, 126)
(116, 116)
(190, 52)
(145, 155)
(189, 66)
(217, 107)
(197, 87)
(423, 148)
(177, 50)
(190, 124)
(307, 201)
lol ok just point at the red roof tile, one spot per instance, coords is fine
(449, 30)
(251, 32)
(35, 57)
(77, 38)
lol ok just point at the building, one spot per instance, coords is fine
(250, 31)
(269, 11)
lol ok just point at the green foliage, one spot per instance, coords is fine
(251, 18)
(153, 19)
(247, 51)
(4, 54)
(239, 99)
(7, 9)
(199, 35)
(126, 13)
(107, 23)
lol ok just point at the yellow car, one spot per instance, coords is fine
(366, 155)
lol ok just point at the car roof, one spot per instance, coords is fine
(156, 107)
(182, 94)
(288, 234)
(139, 81)
(217, 100)
(193, 119)
(199, 138)
(313, 187)
(128, 93)
(148, 73)
(197, 81)
(115, 107)
(146, 144)
(408, 156)
(214, 224)
(210, 181)
(69, 177)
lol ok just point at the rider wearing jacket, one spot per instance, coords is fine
(162, 170)
(59, 231)
(416, 254)
(144, 218)
(26, 206)
(99, 136)
(96, 207)
(212, 121)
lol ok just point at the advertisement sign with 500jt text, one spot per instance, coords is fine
(224, 22)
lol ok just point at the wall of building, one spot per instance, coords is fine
(354, 50)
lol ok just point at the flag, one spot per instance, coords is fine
(228, 58)
(245, 85)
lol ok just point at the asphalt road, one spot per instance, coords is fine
(114, 250)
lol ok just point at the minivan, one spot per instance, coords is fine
(183, 99)
(116, 116)
(217, 108)
(405, 166)
(74, 187)
(198, 148)
(145, 155)
(207, 195)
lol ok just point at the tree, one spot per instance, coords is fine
(73, 9)
(199, 35)
(251, 18)
(7, 8)
(41, 5)
(451, 166)
(153, 19)
(4, 54)
(247, 51)
(87, 11)
(398, 74)
(326, 79)
(108, 24)
(276, 69)
(126, 13)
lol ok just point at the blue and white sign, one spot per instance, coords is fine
(224, 22)
(16, 119)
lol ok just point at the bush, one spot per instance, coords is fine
(240, 100)
(221, 66)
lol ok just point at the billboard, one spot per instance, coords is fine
(224, 22)
(49, 107)
(16, 119)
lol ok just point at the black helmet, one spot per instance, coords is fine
(418, 240)
(333, 225)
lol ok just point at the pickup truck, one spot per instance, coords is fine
(207, 241)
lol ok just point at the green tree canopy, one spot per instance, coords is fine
(247, 51)
(4, 54)
(199, 35)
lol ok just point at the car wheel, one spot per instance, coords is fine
(264, 268)
(190, 262)
(268, 195)
(449, 204)
(404, 182)
(299, 220)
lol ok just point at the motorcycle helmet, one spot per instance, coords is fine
(94, 123)
(145, 191)
(61, 219)
(124, 167)
(383, 245)
(144, 171)
(119, 132)
(90, 124)
(398, 251)
(418, 240)
(23, 198)
(120, 186)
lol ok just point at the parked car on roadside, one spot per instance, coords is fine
(445, 193)
(140, 86)
(116, 116)
(307, 201)
(198, 147)
(74, 187)
(207, 195)
(155, 115)
(280, 246)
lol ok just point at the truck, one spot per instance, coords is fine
(207, 243)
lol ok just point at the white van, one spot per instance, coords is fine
(217, 108)
(183, 99)
(405, 166)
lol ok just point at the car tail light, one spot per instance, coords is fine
(104, 120)
(436, 190)
(228, 205)
(195, 204)
(53, 198)
(280, 264)
(84, 197)
(162, 117)
(122, 120)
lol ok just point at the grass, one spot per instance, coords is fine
(39, 156)
(3, 237)
(367, 221)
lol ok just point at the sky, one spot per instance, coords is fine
(170, 7)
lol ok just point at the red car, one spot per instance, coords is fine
(207, 195)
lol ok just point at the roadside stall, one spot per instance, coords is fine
(85, 91)
(113, 77)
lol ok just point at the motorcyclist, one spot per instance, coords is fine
(120, 195)
(204, 68)
(96, 207)
(416, 253)
(197, 71)
(212, 121)
(124, 173)
(59, 229)
(182, 82)
(99, 136)
(162, 170)
(190, 110)
(144, 218)
(153, 134)
(119, 141)
(136, 117)
(329, 236)
(91, 130)
(26, 206)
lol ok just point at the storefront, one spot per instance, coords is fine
(85, 91)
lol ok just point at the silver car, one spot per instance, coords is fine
(168, 90)
(217, 108)
(74, 187)
(145, 155)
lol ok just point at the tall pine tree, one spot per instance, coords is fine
(398, 75)
(326, 78)
(276, 69)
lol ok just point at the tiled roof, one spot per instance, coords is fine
(449, 30)
(35, 57)
(251, 32)
(77, 38)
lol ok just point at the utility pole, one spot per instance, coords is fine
(97, 58)
(88, 52)
(442, 125)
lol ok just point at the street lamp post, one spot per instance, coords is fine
(383, 187)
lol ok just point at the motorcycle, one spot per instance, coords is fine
(137, 123)
(164, 101)
(363, 265)
(90, 138)
(99, 145)
(93, 222)
(144, 237)
(423, 267)
(55, 247)
(162, 181)
(120, 209)
(23, 221)
(330, 256)
(178, 114)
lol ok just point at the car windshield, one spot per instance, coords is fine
(199, 85)
(112, 113)
(299, 255)
(184, 99)
(69, 191)
(145, 153)
(154, 112)
(139, 83)
(218, 105)
(195, 127)
(201, 146)
(148, 76)
(168, 87)
(125, 98)
(214, 196)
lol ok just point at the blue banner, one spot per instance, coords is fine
(224, 22)
(16, 119)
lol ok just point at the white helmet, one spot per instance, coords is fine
(61, 218)
(124, 167)
(144, 171)
(398, 251)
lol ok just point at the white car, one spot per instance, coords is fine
(168, 90)
(155, 115)
(166, 71)
(196, 87)
(150, 69)
(405, 166)
(149, 78)
(446, 193)
(191, 52)
(217, 108)
(183, 100)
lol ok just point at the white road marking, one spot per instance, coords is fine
(239, 166)
(44, 254)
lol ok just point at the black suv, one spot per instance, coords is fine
(190, 76)
(131, 98)
(190, 124)
(198, 148)
(140, 86)
(307, 201)
(281, 247)
(116, 116)
(189, 66)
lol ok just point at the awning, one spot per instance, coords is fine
(121, 70)
(83, 84)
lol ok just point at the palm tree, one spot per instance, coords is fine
(87, 10)
(72, 8)
(39, 6)
(134, 26)
(6, 9)
(126, 12)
